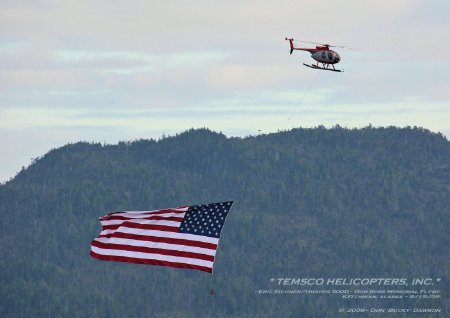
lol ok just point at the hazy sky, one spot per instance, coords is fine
(123, 70)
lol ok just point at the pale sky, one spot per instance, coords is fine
(106, 71)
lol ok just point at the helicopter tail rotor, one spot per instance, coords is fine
(291, 42)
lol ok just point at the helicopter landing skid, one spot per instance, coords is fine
(322, 68)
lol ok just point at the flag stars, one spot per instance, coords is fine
(205, 220)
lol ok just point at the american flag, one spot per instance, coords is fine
(183, 237)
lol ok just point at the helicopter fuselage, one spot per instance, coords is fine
(324, 55)
(329, 56)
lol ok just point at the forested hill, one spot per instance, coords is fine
(371, 202)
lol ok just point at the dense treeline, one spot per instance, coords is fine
(371, 202)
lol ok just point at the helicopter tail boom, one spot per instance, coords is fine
(291, 42)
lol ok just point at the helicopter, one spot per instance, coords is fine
(321, 53)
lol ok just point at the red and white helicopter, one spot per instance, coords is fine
(322, 54)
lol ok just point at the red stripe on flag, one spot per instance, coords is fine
(149, 262)
(143, 249)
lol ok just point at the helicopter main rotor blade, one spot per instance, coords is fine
(323, 44)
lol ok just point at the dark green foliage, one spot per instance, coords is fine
(371, 202)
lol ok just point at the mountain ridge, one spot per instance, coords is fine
(308, 203)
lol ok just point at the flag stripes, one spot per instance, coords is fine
(153, 256)
(163, 250)
(159, 239)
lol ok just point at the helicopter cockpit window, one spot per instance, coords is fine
(330, 56)
(323, 55)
